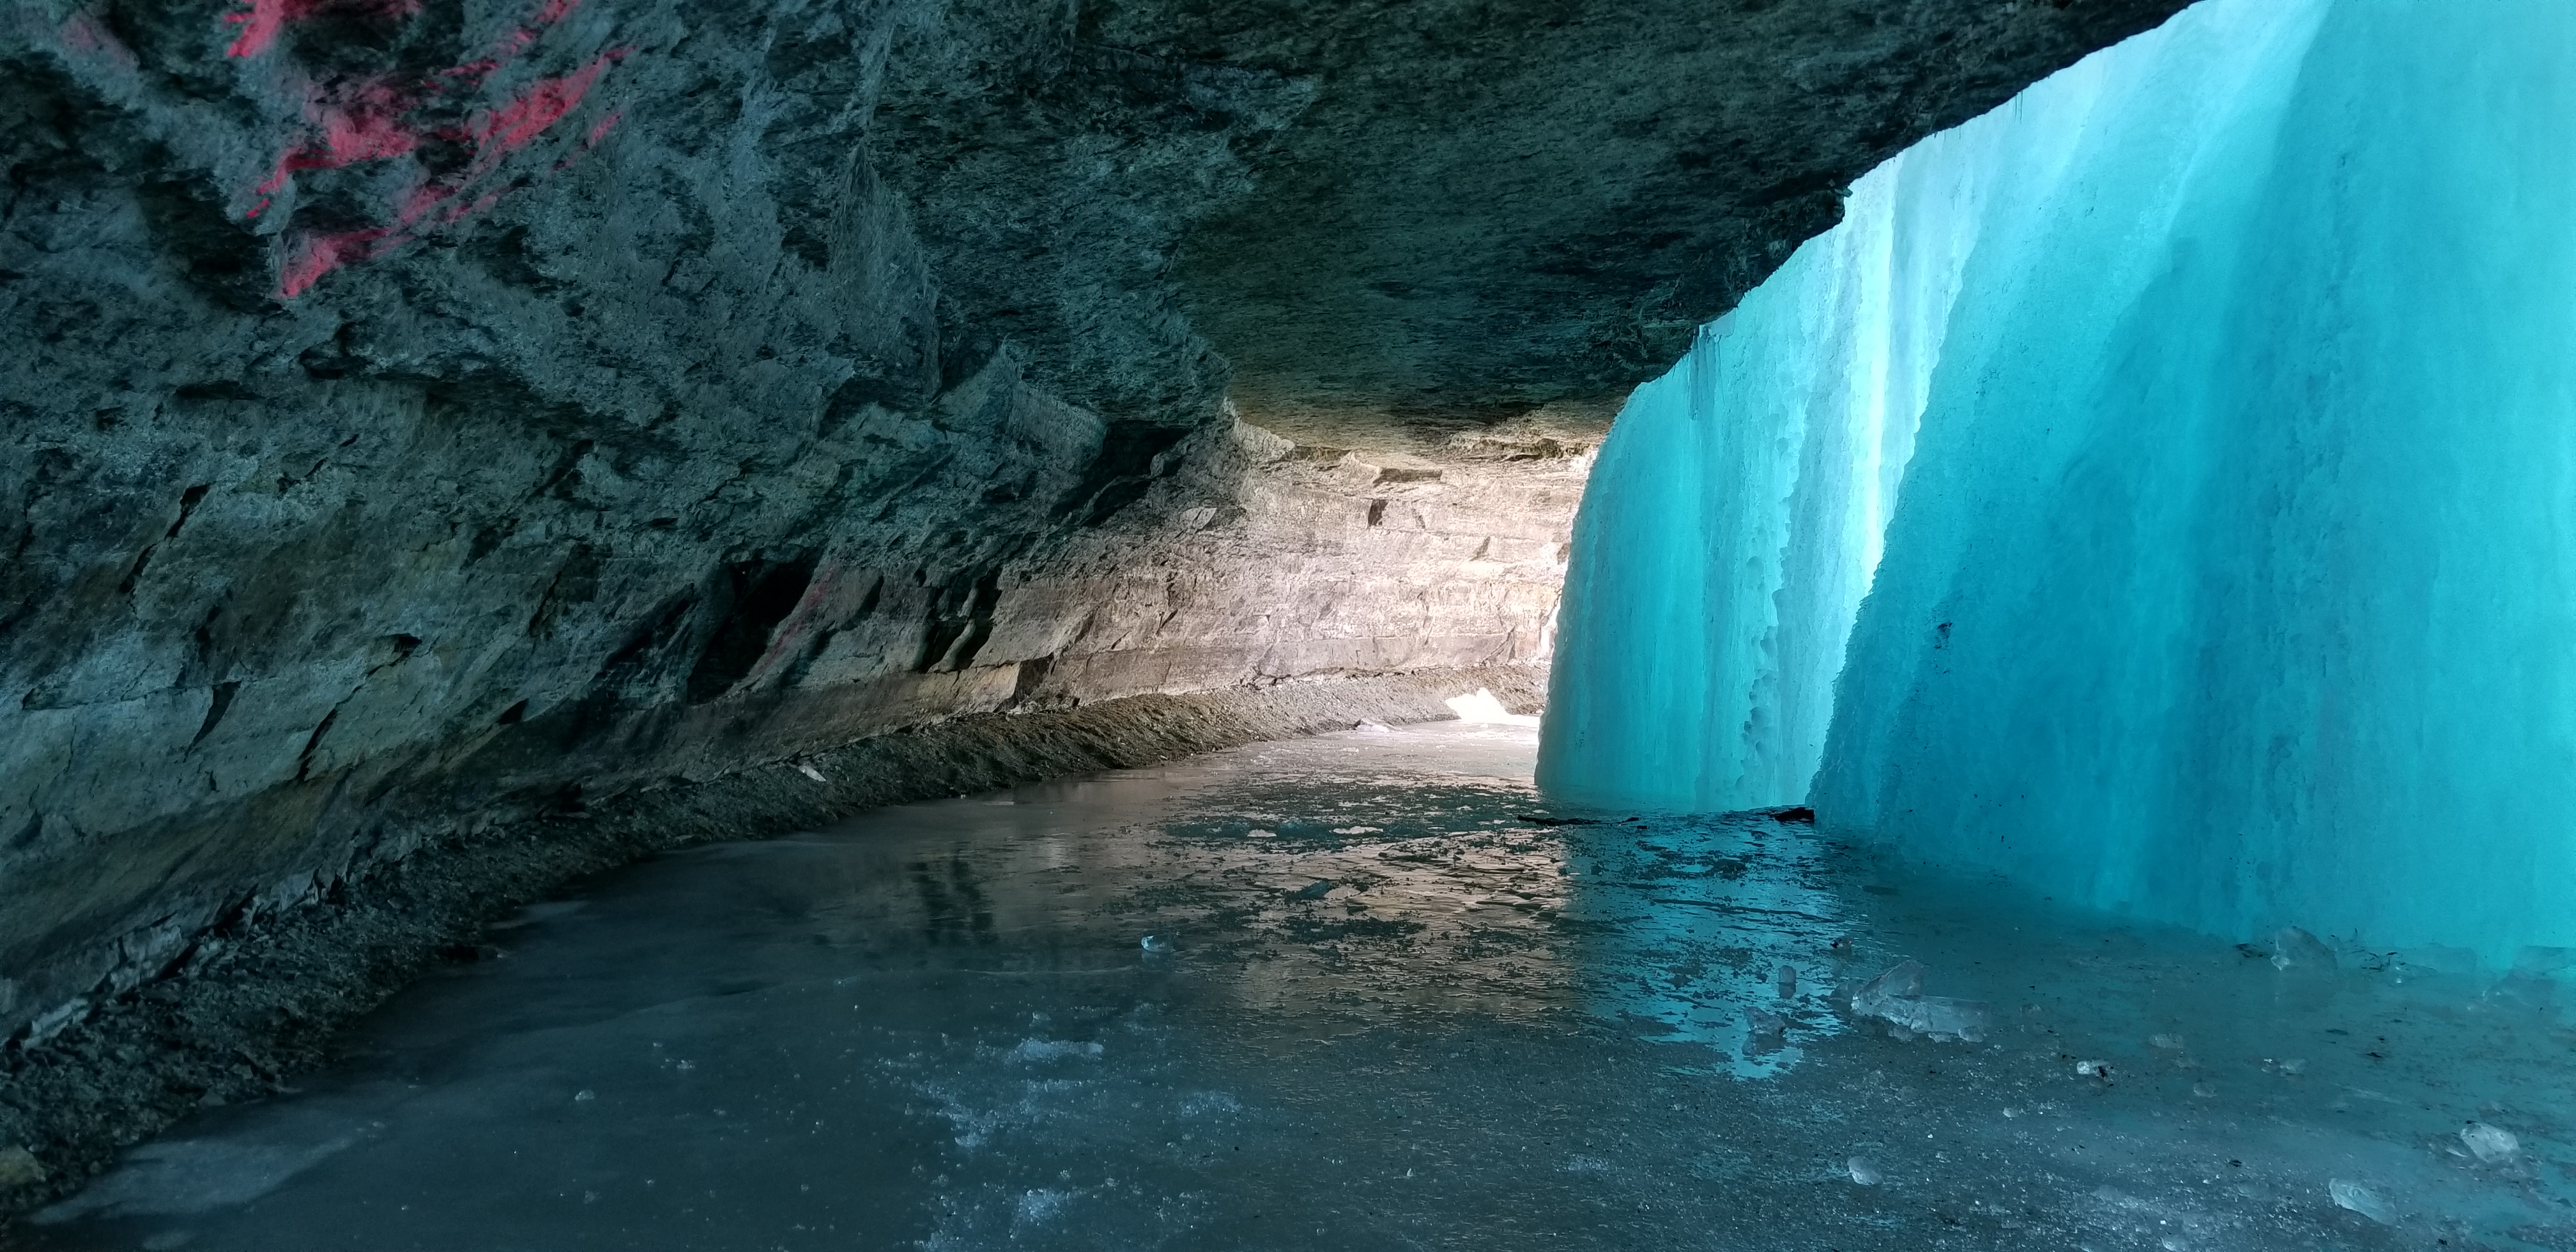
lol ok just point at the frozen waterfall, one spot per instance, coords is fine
(2214, 406)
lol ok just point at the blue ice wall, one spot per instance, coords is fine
(1735, 513)
(2229, 581)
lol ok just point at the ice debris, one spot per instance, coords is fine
(1896, 997)
(2490, 1144)
(1156, 943)
(2362, 1200)
(2293, 948)
(1483, 707)
(2093, 1069)
(1040, 1051)
(1788, 981)
(1863, 1172)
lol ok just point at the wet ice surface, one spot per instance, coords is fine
(1381, 1010)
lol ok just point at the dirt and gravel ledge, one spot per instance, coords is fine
(262, 996)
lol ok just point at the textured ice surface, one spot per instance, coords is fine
(2229, 579)
(939, 1027)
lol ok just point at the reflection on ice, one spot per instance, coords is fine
(1696, 929)
(1119, 1013)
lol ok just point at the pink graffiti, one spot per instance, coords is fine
(517, 124)
(268, 19)
(373, 120)
(260, 26)
(311, 256)
(365, 126)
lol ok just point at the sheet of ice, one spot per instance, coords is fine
(936, 1026)
(2232, 575)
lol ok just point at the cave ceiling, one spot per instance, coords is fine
(1449, 213)
(1364, 218)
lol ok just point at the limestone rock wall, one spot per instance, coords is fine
(432, 416)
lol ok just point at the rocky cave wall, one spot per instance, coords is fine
(640, 452)
(424, 414)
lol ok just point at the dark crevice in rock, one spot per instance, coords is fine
(221, 700)
(188, 502)
(960, 620)
(760, 595)
(575, 584)
(1120, 471)
(312, 744)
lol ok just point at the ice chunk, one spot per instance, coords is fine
(1042, 1051)
(1482, 706)
(1156, 943)
(1038, 1206)
(2362, 1200)
(1896, 997)
(184, 1176)
(1941, 1017)
(2538, 961)
(1863, 1172)
(1788, 980)
(2092, 1069)
(2293, 948)
(2490, 1144)
(1366, 726)
(1899, 981)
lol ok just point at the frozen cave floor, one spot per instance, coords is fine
(1381, 1008)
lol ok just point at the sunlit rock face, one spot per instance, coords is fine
(2226, 580)
(422, 416)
